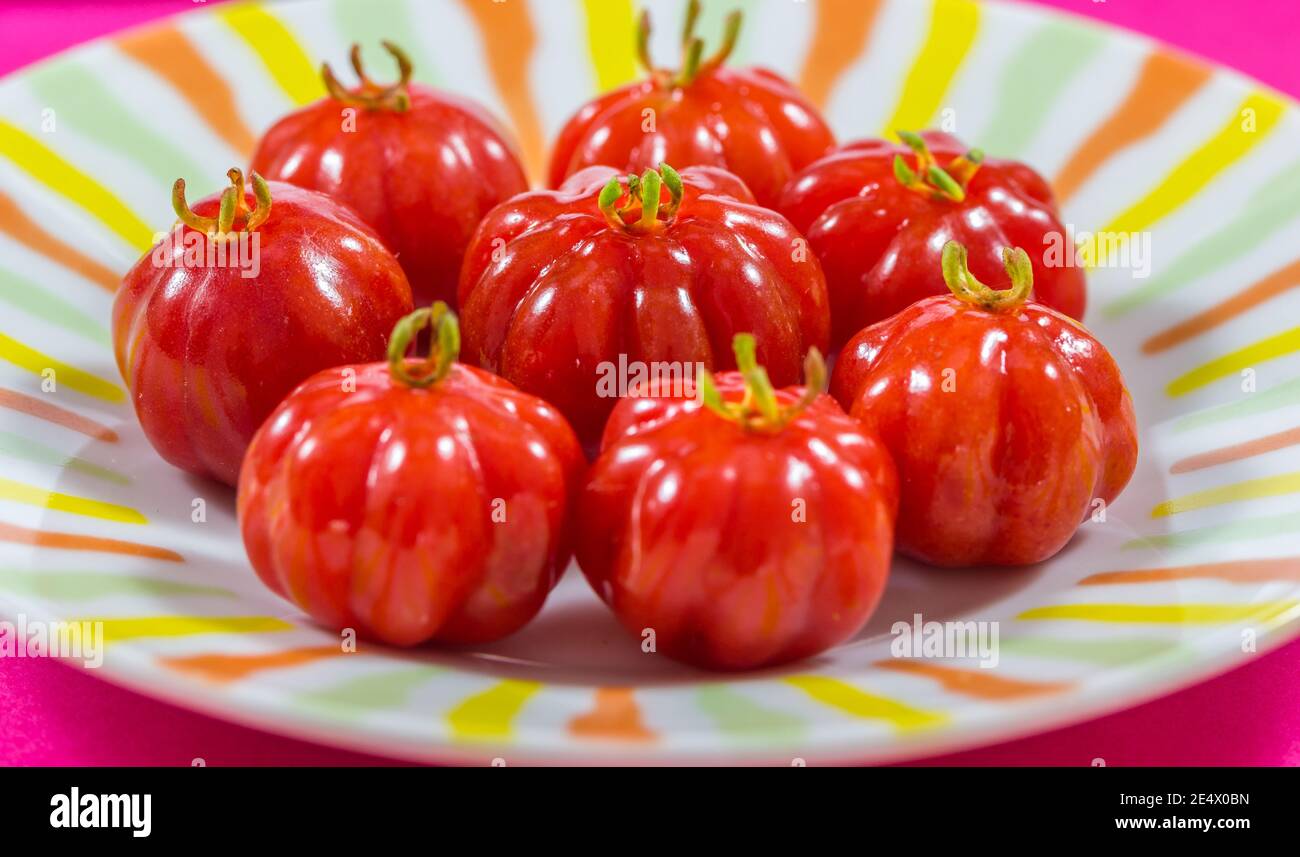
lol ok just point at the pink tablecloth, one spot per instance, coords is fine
(53, 714)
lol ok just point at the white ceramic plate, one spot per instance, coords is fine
(1193, 569)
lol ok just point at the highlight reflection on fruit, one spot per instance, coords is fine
(657, 267)
(250, 293)
(421, 166)
(751, 122)
(1008, 420)
(412, 500)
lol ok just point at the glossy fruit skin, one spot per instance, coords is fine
(207, 354)
(1001, 458)
(374, 509)
(879, 242)
(567, 291)
(688, 527)
(422, 178)
(751, 122)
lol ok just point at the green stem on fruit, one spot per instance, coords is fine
(232, 208)
(931, 179)
(651, 183)
(692, 18)
(963, 167)
(644, 210)
(693, 61)
(643, 41)
(730, 34)
(186, 215)
(236, 177)
(262, 194)
(633, 192)
(610, 194)
(354, 57)
(442, 355)
(760, 410)
(226, 212)
(963, 284)
(370, 95)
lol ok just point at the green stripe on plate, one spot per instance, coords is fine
(41, 302)
(1270, 209)
(355, 698)
(76, 586)
(368, 24)
(79, 98)
(743, 720)
(1253, 528)
(1250, 405)
(17, 446)
(1040, 69)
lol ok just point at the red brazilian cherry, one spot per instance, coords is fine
(412, 500)
(751, 122)
(744, 528)
(562, 290)
(878, 224)
(1009, 422)
(419, 165)
(240, 302)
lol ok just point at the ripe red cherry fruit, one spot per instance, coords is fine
(412, 500)
(246, 296)
(748, 527)
(1007, 419)
(561, 287)
(878, 214)
(751, 122)
(420, 166)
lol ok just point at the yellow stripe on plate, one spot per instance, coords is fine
(36, 362)
(20, 492)
(52, 170)
(611, 40)
(491, 714)
(1251, 489)
(118, 630)
(284, 58)
(1246, 357)
(859, 703)
(953, 24)
(1251, 122)
(1163, 614)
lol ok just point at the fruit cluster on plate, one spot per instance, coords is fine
(626, 367)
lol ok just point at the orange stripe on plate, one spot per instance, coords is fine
(1281, 280)
(166, 51)
(508, 41)
(1240, 571)
(840, 32)
(26, 231)
(976, 683)
(74, 542)
(33, 406)
(615, 717)
(1238, 451)
(228, 668)
(1163, 85)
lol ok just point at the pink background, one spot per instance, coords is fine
(52, 714)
